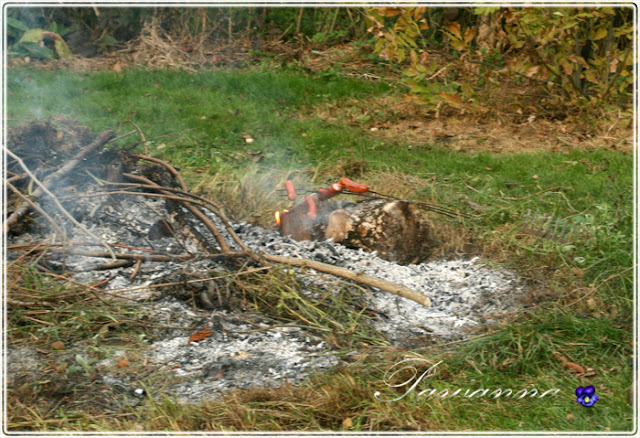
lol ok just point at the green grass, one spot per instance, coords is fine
(582, 300)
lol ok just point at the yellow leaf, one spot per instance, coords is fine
(454, 28)
(347, 423)
(624, 73)
(600, 33)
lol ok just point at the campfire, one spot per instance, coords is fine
(124, 221)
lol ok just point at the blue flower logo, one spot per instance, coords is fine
(586, 396)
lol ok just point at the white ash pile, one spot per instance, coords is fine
(464, 293)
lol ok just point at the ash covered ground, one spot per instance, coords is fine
(245, 349)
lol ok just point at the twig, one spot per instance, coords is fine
(122, 136)
(197, 280)
(144, 138)
(224, 246)
(36, 207)
(38, 320)
(136, 269)
(166, 165)
(128, 148)
(114, 265)
(533, 194)
(354, 276)
(143, 257)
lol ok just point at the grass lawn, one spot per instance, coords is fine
(581, 308)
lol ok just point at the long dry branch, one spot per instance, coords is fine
(358, 277)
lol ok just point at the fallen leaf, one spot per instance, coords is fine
(123, 363)
(574, 367)
(569, 416)
(389, 12)
(58, 345)
(453, 99)
(469, 34)
(347, 423)
(454, 28)
(532, 71)
(199, 336)
(591, 304)
(577, 272)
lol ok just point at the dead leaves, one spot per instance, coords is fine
(573, 367)
(199, 336)
(452, 99)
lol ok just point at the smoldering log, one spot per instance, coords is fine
(397, 230)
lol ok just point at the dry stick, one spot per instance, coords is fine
(100, 141)
(143, 257)
(131, 146)
(91, 289)
(224, 247)
(196, 280)
(122, 136)
(15, 178)
(36, 207)
(199, 200)
(166, 224)
(166, 165)
(142, 136)
(57, 245)
(206, 203)
(215, 210)
(354, 276)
